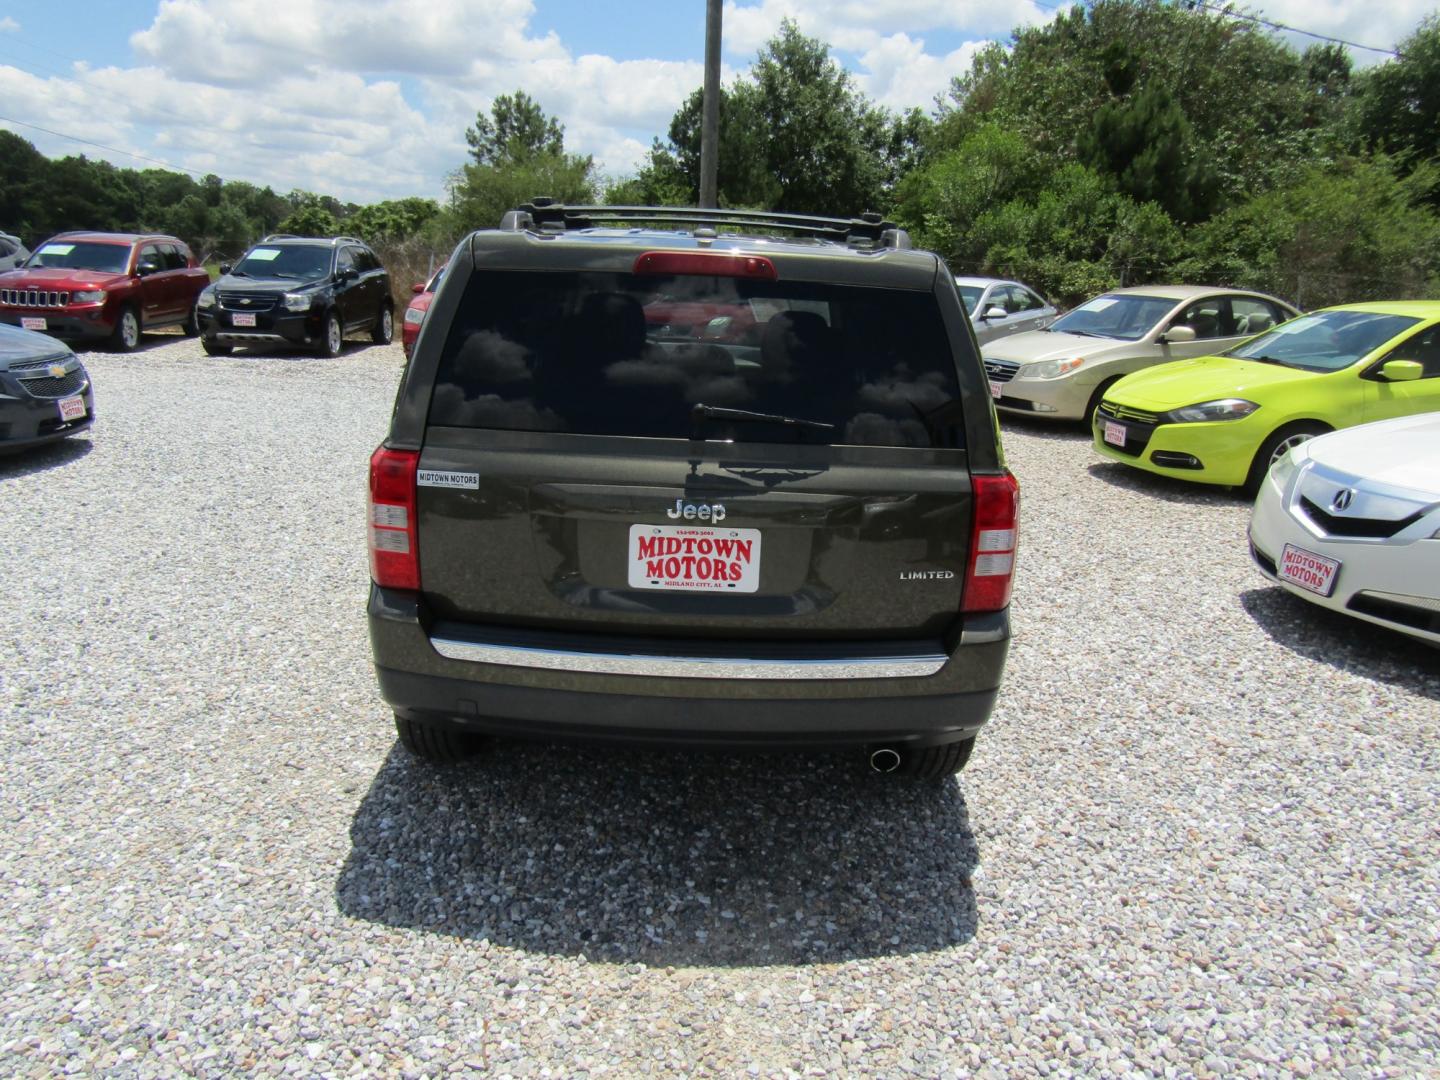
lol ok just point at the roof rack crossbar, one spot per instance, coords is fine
(545, 215)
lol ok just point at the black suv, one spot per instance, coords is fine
(649, 478)
(300, 291)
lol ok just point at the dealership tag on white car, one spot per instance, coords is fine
(996, 389)
(1114, 433)
(703, 559)
(71, 408)
(1308, 570)
(29, 322)
(243, 318)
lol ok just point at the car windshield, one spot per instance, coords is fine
(698, 357)
(303, 262)
(81, 255)
(1325, 341)
(1127, 318)
(970, 294)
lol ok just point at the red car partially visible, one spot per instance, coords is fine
(415, 313)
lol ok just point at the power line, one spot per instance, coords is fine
(102, 146)
(1232, 14)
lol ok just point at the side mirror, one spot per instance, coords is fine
(1402, 370)
(348, 274)
(419, 286)
(147, 267)
(1177, 335)
(993, 313)
(225, 268)
(717, 327)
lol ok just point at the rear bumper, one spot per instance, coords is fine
(597, 687)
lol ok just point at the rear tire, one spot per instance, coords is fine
(437, 745)
(1279, 444)
(213, 348)
(383, 331)
(126, 335)
(938, 762)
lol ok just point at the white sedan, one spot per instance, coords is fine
(1351, 521)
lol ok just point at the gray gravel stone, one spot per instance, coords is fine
(1204, 812)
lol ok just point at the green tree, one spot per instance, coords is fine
(480, 194)
(1399, 102)
(1146, 144)
(310, 219)
(516, 130)
(392, 220)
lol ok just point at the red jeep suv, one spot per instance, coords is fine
(104, 286)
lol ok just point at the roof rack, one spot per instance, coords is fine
(273, 237)
(869, 230)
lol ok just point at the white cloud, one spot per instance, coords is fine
(9, 25)
(1383, 26)
(900, 74)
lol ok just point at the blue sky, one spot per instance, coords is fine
(369, 99)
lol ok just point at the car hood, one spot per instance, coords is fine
(1047, 345)
(1404, 453)
(265, 285)
(23, 346)
(55, 277)
(1204, 378)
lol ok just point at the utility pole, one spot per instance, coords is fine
(710, 117)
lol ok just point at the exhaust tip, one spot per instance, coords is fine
(885, 760)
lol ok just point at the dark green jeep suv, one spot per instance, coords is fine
(706, 477)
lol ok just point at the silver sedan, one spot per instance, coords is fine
(998, 307)
(1063, 371)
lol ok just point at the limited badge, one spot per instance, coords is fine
(442, 478)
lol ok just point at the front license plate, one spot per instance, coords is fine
(243, 318)
(694, 558)
(72, 408)
(31, 322)
(996, 389)
(1308, 570)
(1114, 433)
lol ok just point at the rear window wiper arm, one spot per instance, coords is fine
(701, 412)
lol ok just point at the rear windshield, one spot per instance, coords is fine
(616, 354)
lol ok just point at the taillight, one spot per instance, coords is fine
(992, 543)
(394, 553)
(707, 264)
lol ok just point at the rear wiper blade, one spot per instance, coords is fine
(702, 411)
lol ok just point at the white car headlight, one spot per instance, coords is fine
(1050, 369)
(1225, 409)
(298, 301)
(1284, 469)
(206, 299)
(88, 296)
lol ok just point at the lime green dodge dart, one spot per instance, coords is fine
(1226, 419)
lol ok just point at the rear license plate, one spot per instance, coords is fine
(996, 389)
(1114, 433)
(243, 318)
(72, 408)
(687, 558)
(1308, 570)
(30, 322)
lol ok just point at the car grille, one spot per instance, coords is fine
(231, 301)
(37, 365)
(1001, 370)
(1375, 528)
(1129, 415)
(34, 298)
(47, 386)
(1139, 426)
(1420, 612)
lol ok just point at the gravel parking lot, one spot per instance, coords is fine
(1199, 839)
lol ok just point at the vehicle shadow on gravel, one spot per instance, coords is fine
(684, 859)
(1165, 487)
(43, 458)
(1346, 643)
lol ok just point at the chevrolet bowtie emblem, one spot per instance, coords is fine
(57, 371)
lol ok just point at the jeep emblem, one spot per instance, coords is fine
(692, 512)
